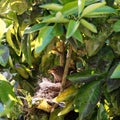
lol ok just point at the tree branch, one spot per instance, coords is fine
(67, 65)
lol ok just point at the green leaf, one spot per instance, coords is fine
(54, 115)
(99, 12)
(52, 6)
(6, 92)
(85, 76)
(86, 99)
(116, 72)
(26, 49)
(102, 114)
(116, 26)
(88, 25)
(9, 37)
(4, 55)
(34, 28)
(21, 70)
(59, 18)
(77, 35)
(65, 1)
(72, 27)
(58, 30)
(81, 5)
(44, 38)
(70, 8)
(2, 28)
(91, 8)
(7, 97)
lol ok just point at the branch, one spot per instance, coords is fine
(67, 65)
(62, 50)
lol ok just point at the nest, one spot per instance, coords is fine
(47, 89)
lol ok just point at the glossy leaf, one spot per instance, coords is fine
(91, 8)
(34, 28)
(116, 72)
(72, 27)
(43, 105)
(4, 55)
(116, 26)
(99, 12)
(86, 99)
(66, 94)
(59, 18)
(88, 25)
(44, 38)
(81, 5)
(70, 8)
(52, 6)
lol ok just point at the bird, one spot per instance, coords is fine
(57, 73)
(48, 89)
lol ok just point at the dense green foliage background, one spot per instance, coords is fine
(36, 35)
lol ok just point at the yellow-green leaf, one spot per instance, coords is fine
(88, 25)
(81, 5)
(91, 8)
(4, 6)
(44, 38)
(20, 6)
(57, 19)
(9, 39)
(66, 94)
(69, 106)
(72, 27)
(70, 8)
(52, 6)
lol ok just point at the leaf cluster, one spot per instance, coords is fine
(79, 34)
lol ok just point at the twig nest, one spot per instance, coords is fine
(47, 89)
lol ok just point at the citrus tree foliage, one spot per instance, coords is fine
(36, 35)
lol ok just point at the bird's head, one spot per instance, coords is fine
(57, 72)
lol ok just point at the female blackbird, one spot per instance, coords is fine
(57, 72)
